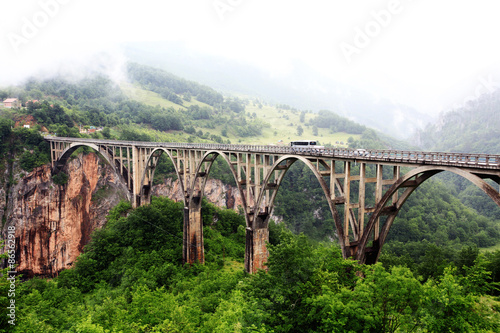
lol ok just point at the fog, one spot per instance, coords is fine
(427, 55)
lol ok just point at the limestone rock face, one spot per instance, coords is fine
(52, 222)
(221, 195)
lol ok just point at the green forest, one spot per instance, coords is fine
(439, 270)
(130, 279)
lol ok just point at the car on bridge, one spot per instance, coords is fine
(361, 152)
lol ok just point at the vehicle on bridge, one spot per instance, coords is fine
(361, 152)
(305, 146)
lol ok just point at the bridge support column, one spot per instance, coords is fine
(136, 190)
(256, 252)
(193, 251)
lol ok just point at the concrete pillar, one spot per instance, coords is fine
(192, 249)
(136, 190)
(256, 252)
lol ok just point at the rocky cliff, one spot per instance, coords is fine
(221, 195)
(52, 222)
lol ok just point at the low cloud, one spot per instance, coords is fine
(72, 66)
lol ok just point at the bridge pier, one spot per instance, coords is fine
(257, 236)
(192, 249)
(136, 189)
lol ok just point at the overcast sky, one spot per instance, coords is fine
(427, 54)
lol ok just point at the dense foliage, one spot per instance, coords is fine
(170, 86)
(336, 123)
(30, 147)
(130, 279)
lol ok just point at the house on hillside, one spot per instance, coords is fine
(11, 103)
(32, 101)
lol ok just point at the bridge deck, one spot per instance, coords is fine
(410, 158)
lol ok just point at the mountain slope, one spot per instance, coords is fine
(302, 87)
(474, 128)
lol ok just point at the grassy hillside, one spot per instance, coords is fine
(280, 124)
(135, 92)
(283, 126)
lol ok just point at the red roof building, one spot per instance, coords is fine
(11, 103)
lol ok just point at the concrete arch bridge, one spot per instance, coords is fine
(382, 179)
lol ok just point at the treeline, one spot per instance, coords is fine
(131, 279)
(336, 123)
(93, 101)
(170, 86)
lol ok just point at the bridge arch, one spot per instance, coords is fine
(420, 175)
(149, 170)
(275, 183)
(66, 154)
(202, 173)
(102, 152)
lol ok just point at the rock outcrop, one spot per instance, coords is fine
(221, 195)
(52, 222)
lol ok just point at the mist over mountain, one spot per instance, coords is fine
(301, 87)
(472, 128)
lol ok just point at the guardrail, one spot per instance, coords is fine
(396, 156)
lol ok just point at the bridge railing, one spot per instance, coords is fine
(396, 156)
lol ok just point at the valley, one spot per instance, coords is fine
(445, 237)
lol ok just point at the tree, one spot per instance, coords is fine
(5, 128)
(380, 302)
(60, 179)
(106, 132)
(36, 94)
(450, 308)
(300, 130)
(166, 122)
